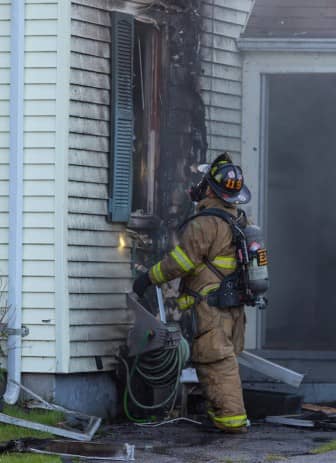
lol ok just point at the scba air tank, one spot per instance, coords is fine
(258, 264)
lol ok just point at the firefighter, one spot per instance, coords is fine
(219, 336)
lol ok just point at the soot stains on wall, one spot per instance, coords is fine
(182, 120)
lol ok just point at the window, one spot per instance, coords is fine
(134, 117)
(146, 116)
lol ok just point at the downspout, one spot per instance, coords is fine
(15, 246)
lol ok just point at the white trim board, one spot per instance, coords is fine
(287, 44)
(61, 195)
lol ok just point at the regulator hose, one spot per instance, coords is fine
(159, 368)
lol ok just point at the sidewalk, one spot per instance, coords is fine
(183, 442)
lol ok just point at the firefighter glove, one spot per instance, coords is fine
(141, 284)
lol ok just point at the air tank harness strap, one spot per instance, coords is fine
(223, 295)
(235, 222)
(227, 295)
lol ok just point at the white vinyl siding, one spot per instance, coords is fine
(4, 150)
(4, 139)
(221, 82)
(65, 203)
(39, 184)
(99, 271)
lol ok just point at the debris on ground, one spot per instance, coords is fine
(72, 449)
(88, 424)
(290, 420)
(270, 369)
(317, 420)
(261, 403)
(186, 442)
(319, 408)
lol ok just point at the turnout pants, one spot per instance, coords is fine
(220, 338)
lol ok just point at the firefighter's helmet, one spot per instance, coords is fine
(227, 181)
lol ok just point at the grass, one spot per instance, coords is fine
(28, 458)
(274, 457)
(10, 432)
(329, 447)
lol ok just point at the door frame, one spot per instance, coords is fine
(257, 66)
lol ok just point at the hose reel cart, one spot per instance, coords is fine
(154, 359)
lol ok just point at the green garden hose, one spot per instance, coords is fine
(159, 368)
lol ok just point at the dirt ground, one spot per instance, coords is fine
(184, 442)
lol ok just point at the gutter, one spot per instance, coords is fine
(15, 246)
(301, 44)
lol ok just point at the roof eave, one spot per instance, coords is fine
(321, 45)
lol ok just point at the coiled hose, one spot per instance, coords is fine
(159, 368)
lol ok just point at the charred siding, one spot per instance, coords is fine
(222, 23)
(183, 133)
(196, 37)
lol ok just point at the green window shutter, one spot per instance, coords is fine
(121, 151)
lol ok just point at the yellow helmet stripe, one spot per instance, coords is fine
(182, 259)
(217, 165)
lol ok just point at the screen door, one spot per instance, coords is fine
(301, 212)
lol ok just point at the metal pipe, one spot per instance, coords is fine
(161, 304)
(15, 202)
(258, 364)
